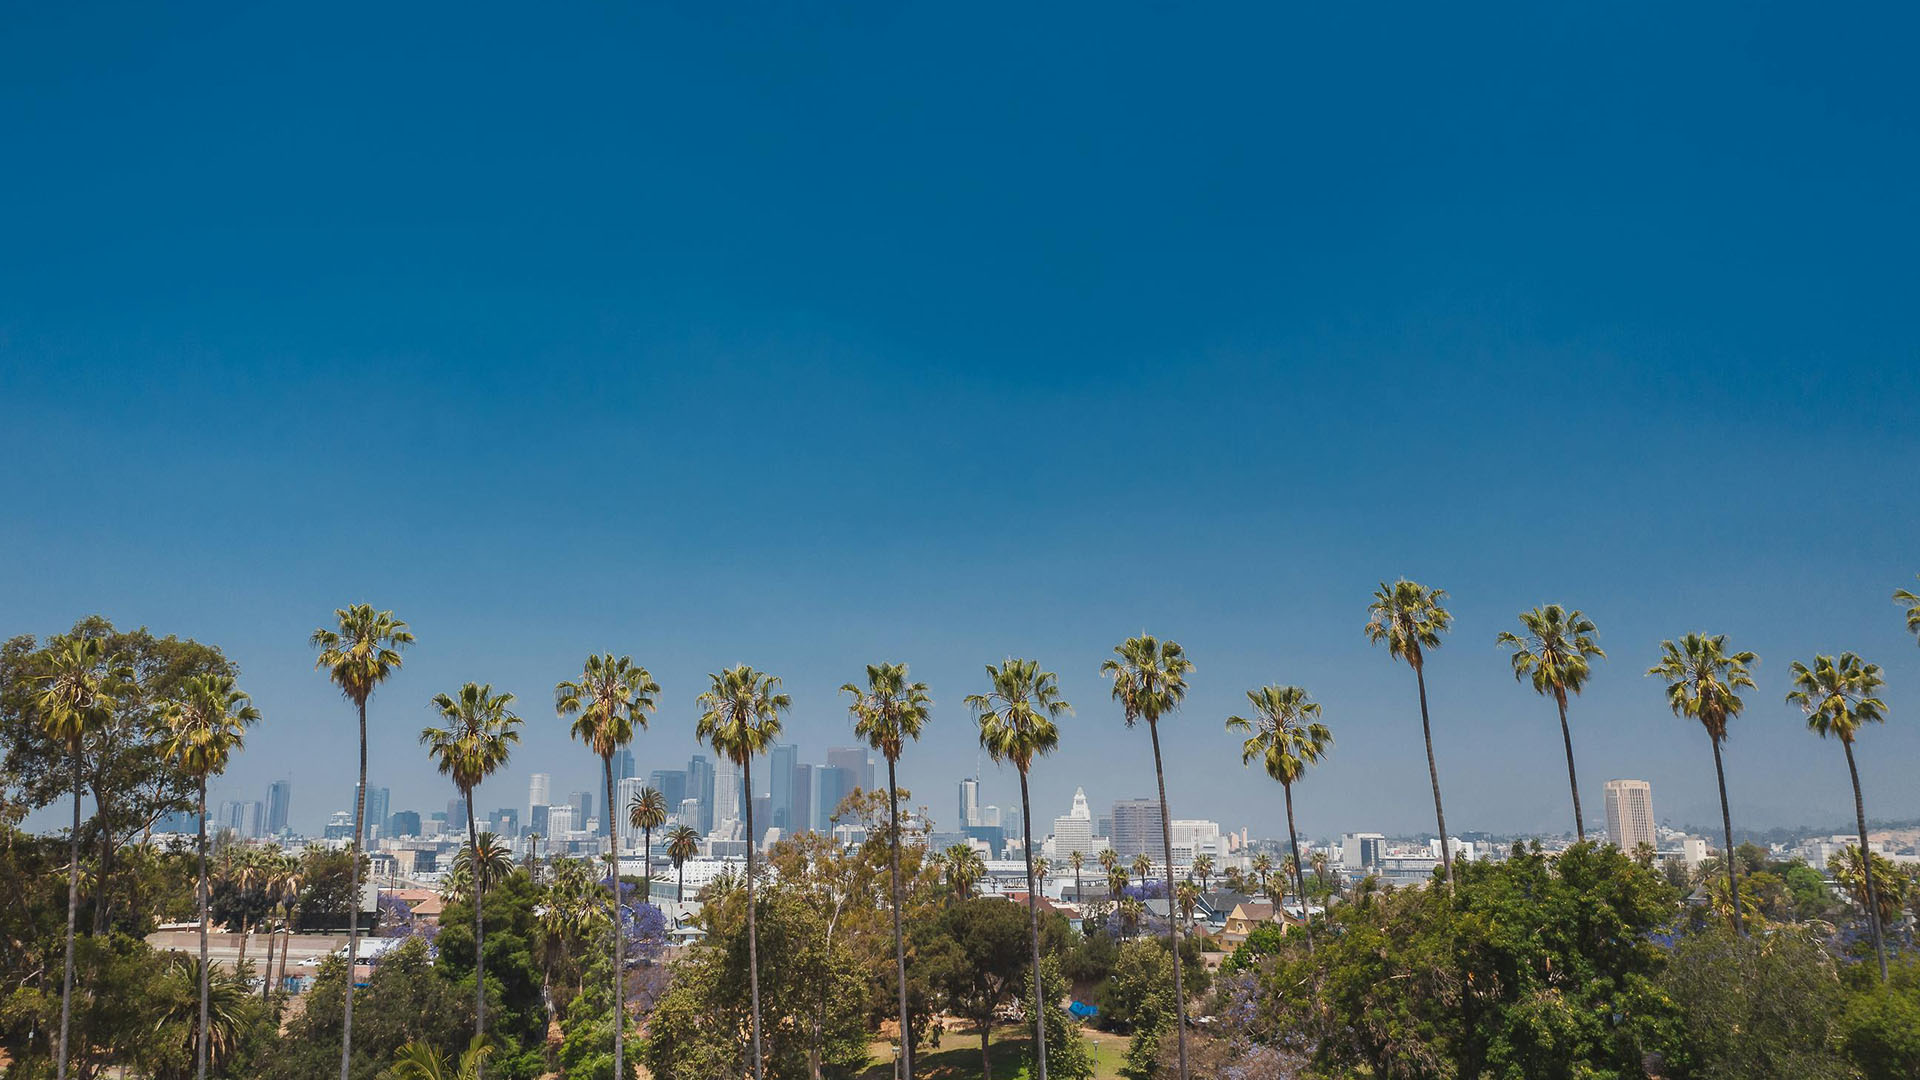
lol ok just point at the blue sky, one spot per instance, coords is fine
(808, 340)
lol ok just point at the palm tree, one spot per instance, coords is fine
(1838, 697)
(77, 699)
(683, 843)
(1286, 736)
(1188, 896)
(222, 999)
(1142, 867)
(475, 743)
(244, 872)
(1203, 869)
(1554, 653)
(289, 878)
(963, 869)
(1040, 868)
(495, 863)
(1076, 860)
(1116, 881)
(1912, 600)
(647, 812)
(1703, 683)
(200, 731)
(888, 712)
(1108, 859)
(1262, 868)
(362, 652)
(1410, 618)
(740, 718)
(610, 699)
(1016, 725)
(420, 1061)
(1149, 681)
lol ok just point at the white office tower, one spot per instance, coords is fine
(726, 793)
(1075, 831)
(625, 792)
(1194, 836)
(1630, 814)
(560, 821)
(970, 802)
(1362, 850)
(537, 793)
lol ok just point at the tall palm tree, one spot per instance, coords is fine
(289, 879)
(1838, 697)
(740, 718)
(1263, 868)
(1040, 868)
(1076, 860)
(1203, 869)
(359, 653)
(608, 702)
(1142, 867)
(1703, 683)
(1410, 618)
(647, 812)
(1108, 859)
(1116, 881)
(76, 699)
(200, 730)
(1016, 725)
(1286, 736)
(963, 869)
(1188, 897)
(478, 736)
(683, 843)
(1555, 653)
(888, 712)
(1912, 601)
(493, 865)
(1149, 681)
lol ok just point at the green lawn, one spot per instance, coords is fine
(958, 1057)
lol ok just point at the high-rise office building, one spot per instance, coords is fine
(622, 764)
(537, 823)
(969, 809)
(504, 822)
(625, 791)
(538, 792)
(457, 812)
(802, 815)
(831, 784)
(726, 794)
(1630, 814)
(854, 759)
(279, 805)
(1074, 832)
(1136, 827)
(404, 823)
(780, 763)
(671, 784)
(560, 821)
(243, 817)
(1360, 850)
(700, 786)
(376, 809)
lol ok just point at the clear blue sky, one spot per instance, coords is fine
(906, 332)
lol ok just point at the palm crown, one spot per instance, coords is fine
(1704, 680)
(363, 651)
(1149, 677)
(1285, 734)
(78, 697)
(683, 843)
(889, 710)
(1555, 650)
(648, 809)
(479, 732)
(1837, 695)
(1016, 716)
(208, 721)
(1409, 617)
(740, 714)
(1912, 600)
(611, 698)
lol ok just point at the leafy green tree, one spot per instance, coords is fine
(478, 736)
(516, 1011)
(1150, 681)
(1879, 1029)
(1286, 737)
(740, 717)
(1410, 618)
(203, 729)
(978, 958)
(1875, 882)
(1556, 654)
(1838, 697)
(358, 654)
(609, 701)
(1066, 1050)
(1017, 725)
(889, 712)
(189, 1008)
(1752, 1008)
(406, 999)
(587, 1033)
(1704, 681)
(77, 698)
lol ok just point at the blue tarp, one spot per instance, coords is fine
(1083, 1010)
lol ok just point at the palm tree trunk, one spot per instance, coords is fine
(246, 929)
(73, 912)
(200, 888)
(1433, 774)
(1173, 916)
(1726, 822)
(479, 928)
(753, 929)
(899, 940)
(1299, 878)
(353, 899)
(619, 933)
(266, 975)
(1573, 780)
(1866, 862)
(680, 889)
(1033, 923)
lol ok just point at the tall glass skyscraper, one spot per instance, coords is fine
(279, 805)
